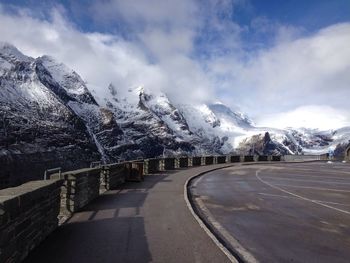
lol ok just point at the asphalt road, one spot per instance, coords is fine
(141, 222)
(281, 212)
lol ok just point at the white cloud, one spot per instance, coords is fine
(303, 71)
(161, 54)
(312, 116)
(103, 58)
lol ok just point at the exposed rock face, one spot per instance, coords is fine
(145, 121)
(339, 151)
(38, 129)
(49, 118)
(261, 145)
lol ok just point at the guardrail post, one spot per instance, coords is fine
(241, 158)
(190, 161)
(161, 167)
(145, 167)
(177, 163)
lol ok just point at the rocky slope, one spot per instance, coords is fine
(49, 118)
(37, 128)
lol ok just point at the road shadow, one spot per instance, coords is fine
(109, 229)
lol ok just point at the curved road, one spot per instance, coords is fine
(141, 222)
(280, 212)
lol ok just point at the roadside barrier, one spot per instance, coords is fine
(30, 212)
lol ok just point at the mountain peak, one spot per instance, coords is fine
(236, 117)
(12, 54)
(66, 78)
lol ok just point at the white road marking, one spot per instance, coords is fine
(315, 176)
(302, 180)
(299, 196)
(293, 169)
(315, 188)
(285, 196)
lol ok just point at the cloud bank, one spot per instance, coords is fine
(197, 53)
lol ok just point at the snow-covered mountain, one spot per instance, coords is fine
(49, 117)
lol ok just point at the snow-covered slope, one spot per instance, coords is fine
(152, 126)
(38, 129)
(49, 117)
(67, 79)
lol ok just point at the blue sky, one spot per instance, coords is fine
(311, 15)
(269, 58)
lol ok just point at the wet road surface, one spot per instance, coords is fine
(141, 222)
(280, 212)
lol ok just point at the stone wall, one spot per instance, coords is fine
(112, 176)
(276, 158)
(79, 188)
(301, 158)
(134, 171)
(169, 163)
(209, 160)
(263, 158)
(221, 159)
(183, 162)
(153, 166)
(196, 161)
(28, 214)
(235, 158)
(248, 158)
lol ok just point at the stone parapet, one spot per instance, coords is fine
(209, 160)
(28, 214)
(152, 166)
(169, 164)
(183, 162)
(135, 171)
(112, 176)
(235, 158)
(248, 158)
(263, 158)
(196, 161)
(79, 188)
(221, 159)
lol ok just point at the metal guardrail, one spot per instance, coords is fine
(95, 164)
(51, 171)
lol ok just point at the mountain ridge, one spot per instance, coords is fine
(49, 114)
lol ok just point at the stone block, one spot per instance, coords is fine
(183, 162)
(28, 214)
(263, 158)
(234, 158)
(169, 164)
(248, 158)
(221, 159)
(209, 160)
(196, 161)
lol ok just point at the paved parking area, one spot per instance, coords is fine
(297, 212)
(140, 222)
